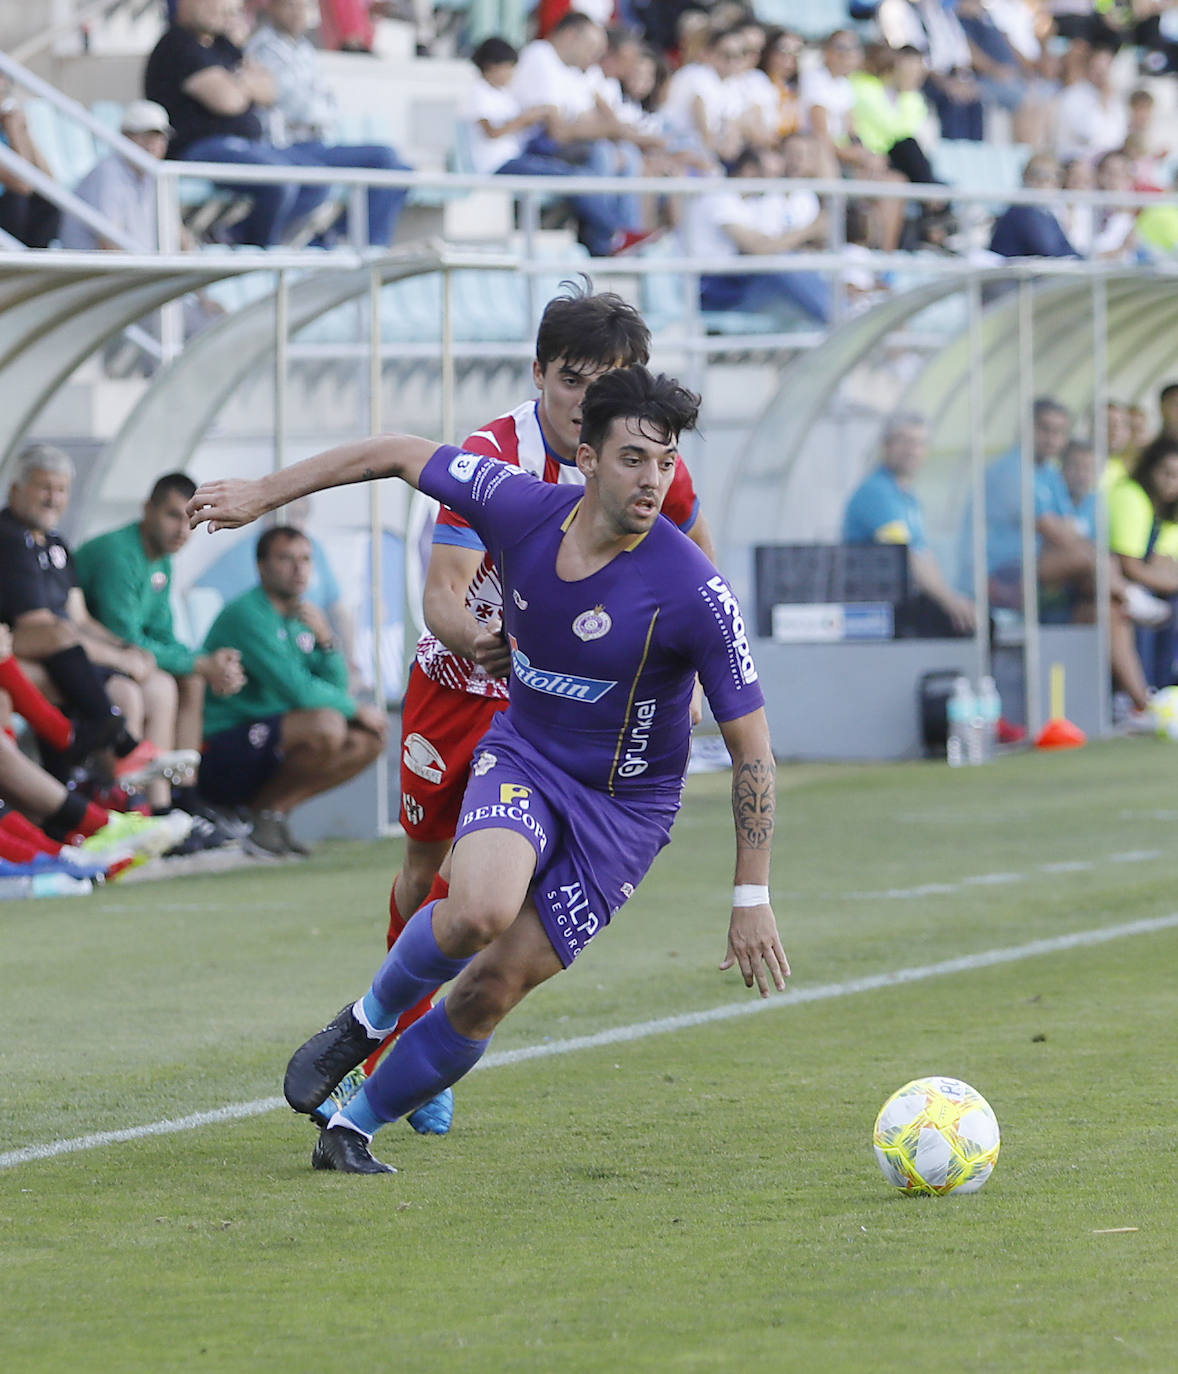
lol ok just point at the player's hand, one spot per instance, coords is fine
(314, 619)
(755, 947)
(223, 672)
(5, 642)
(138, 664)
(227, 503)
(373, 720)
(491, 650)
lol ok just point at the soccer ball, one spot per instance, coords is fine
(1164, 707)
(936, 1135)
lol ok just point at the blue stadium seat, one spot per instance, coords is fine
(971, 166)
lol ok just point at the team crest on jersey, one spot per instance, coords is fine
(420, 757)
(57, 556)
(305, 640)
(159, 580)
(519, 600)
(593, 624)
(484, 763)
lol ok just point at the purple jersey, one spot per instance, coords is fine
(602, 668)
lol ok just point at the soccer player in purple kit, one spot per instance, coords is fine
(609, 612)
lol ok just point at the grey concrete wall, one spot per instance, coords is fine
(859, 700)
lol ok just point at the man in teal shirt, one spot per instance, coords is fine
(126, 578)
(293, 731)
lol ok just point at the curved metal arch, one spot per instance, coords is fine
(1142, 305)
(177, 411)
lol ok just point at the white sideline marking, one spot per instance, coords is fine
(821, 992)
(905, 894)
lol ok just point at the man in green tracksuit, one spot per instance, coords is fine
(293, 731)
(126, 578)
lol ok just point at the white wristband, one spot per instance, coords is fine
(749, 894)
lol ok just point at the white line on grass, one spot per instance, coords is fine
(904, 894)
(822, 992)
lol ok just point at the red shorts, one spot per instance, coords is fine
(440, 730)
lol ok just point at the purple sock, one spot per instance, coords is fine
(414, 966)
(428, 1057)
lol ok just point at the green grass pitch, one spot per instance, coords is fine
(704, 1199)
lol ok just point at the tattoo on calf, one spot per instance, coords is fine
(754, 803)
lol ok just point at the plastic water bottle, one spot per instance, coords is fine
(959, 710)
(990, 709)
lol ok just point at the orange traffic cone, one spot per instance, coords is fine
(1059, 732)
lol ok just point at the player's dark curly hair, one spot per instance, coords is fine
(663, 408)
(583, 326)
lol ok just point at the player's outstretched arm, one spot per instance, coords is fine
(753, 942)
(230, 502)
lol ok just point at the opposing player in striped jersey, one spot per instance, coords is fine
(458, 683)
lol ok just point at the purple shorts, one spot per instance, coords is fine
(592, 850)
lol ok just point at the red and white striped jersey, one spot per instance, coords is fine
(515, 438)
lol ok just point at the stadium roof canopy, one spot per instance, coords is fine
(1079, 332)
(58, 308)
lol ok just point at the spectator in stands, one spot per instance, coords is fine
(1091, 117)
(293, 731)
(303, 116)
(29, 217)
(1157, 228)
(1065, 560)
(126, 578)
(1139, 427)
(1115, 236)
(214, 99)
(699, 107)
(1002, 75)
(828, 105)
(120, 190)
(1033, 231)
(500, 137)
(779, 61)
(1077, 220)
(952, 86)
(1077, 467)
(1143, 536)
(347, 25)
(496, 125)
(885, 510)
(112, 689)
(623, 55)
(729, 224)
(1120, 453)
(581, 129)
(1142, 147)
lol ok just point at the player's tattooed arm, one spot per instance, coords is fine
(754, 944)
(754, 802)
(231, 502)
(754, 798)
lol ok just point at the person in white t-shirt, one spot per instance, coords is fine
(562, 71)
(1091, 117)
(827, 96)
(700, 104)
(731, 224)
(504, 136)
